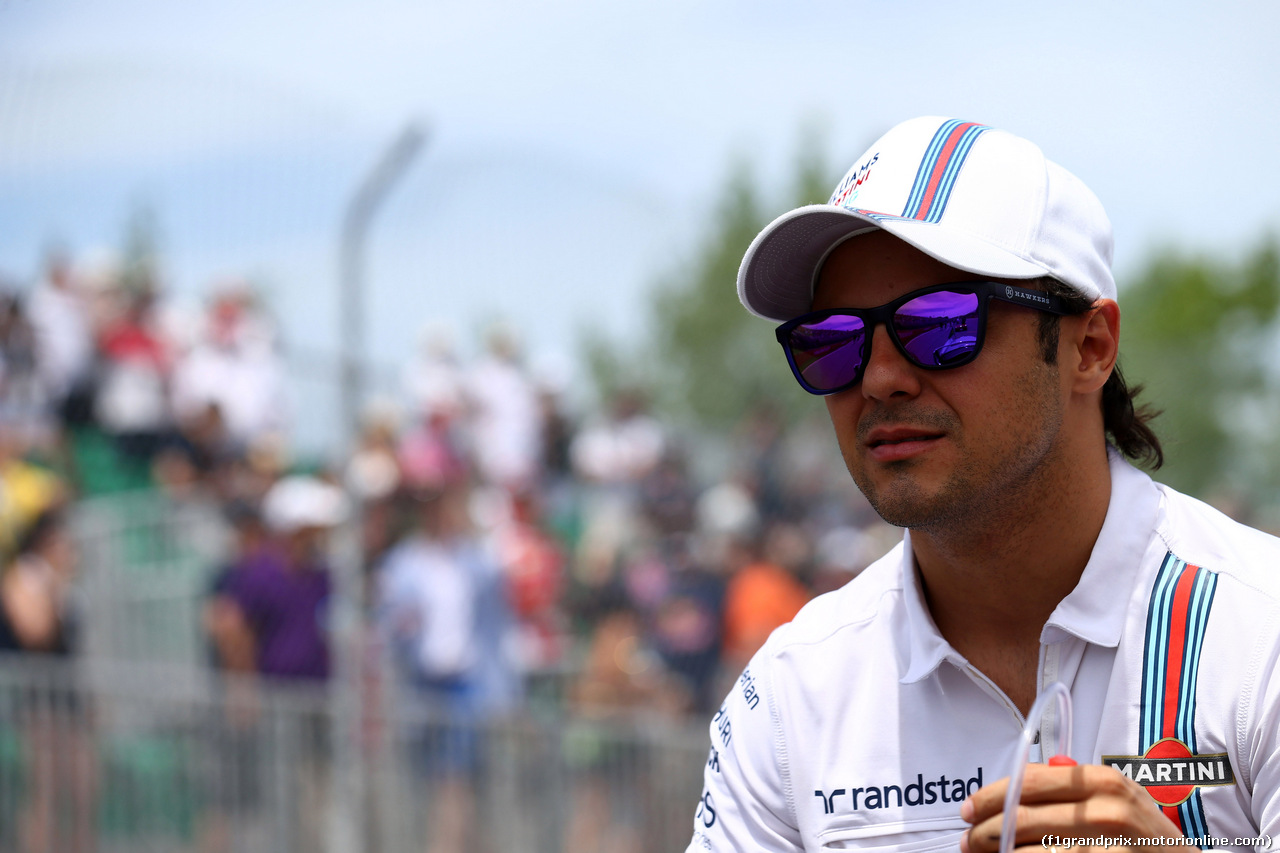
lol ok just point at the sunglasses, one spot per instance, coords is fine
(934, 328)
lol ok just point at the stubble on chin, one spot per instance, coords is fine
(902, 501)
(896, 493)
(975, 491)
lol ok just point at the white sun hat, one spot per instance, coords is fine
(298, 502)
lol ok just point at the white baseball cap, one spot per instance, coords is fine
(974, 197)
(297, 502)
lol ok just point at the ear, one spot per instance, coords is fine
(1096, 346)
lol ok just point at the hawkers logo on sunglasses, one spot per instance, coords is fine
(934, 328)
(1013, 294)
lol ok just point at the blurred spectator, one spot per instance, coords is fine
(373, 472)
(433, 382)
(762, 594)
(557, 437)
(132, 401)
(203, 438)
(761, 451)
(63, 335)
(687, 627)
(233, 787)
(230, 638)
(282, 591)
(22, 399)
(621, 679)
(235, 366)
(506, 423)
(624, 448)
(36, 617)
(612, 458)
(667, 493)
(26, 490)
(442, 606)
(373, 476)
(724, 511)
(533, 563)
(430, 455)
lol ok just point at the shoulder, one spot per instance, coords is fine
(1197, 533)
(410, 553)
(254, 573)
(862, 609)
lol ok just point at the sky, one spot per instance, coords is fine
(576, 150)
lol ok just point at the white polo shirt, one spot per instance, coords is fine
(858, 725)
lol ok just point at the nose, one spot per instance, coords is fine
(888, 374)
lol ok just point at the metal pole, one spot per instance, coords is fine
(364, 204)
(347, 827)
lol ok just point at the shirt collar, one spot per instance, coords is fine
(925, 644)
(1094, 611)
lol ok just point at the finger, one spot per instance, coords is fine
(1104, 816)
(1043, 784)
(984, 836)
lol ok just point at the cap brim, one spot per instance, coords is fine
(778, 272)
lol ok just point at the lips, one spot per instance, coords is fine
(893, 444)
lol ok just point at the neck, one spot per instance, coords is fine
(997, 578)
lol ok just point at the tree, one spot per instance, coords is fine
(140, 272)
(707, 362)
(1198, 333)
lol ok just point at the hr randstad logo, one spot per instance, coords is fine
(917, 792)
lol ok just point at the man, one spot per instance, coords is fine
(269, 616)
(282, 590)
(954, 303)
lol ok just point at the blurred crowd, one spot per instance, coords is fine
(505, 540)
(504, 535)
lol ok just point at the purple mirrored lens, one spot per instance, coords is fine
(828, 352)
(938, 329)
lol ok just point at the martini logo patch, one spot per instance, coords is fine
(1171, 773)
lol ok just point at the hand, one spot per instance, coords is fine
(1086, 801)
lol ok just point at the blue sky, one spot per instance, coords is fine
(576, 147)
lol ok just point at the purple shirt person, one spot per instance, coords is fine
(284, 606)
(283, 590)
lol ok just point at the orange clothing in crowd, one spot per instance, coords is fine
(760, 597)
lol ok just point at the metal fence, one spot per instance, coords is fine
(138, 745)
(146, 562)
(126, 757)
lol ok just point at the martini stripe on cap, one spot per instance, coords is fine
(953, 170)
(926, 167)
(953, 154)
(945, 155)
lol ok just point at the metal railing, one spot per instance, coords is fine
(116, 757)
(146, 562)
(137, 744)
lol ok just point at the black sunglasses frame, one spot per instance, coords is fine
(872, 317)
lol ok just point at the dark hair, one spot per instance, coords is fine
(40, 531)
(1127, 424)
